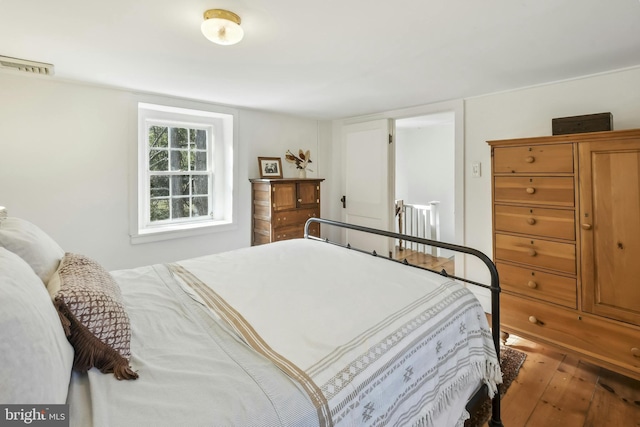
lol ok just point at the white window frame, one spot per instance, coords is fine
(220, 124)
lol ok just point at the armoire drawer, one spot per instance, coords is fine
(552, 191)
(297, 217)
(594, 337)
(537, 253)
(556, 223)
(537, 284)
(551, 158)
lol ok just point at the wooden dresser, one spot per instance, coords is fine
(566, 241)
(280, 208)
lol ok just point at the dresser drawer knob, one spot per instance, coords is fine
(531, 221)
(533, 320)
(532, 252)
(586, 226)
(532, 284)
(530, 159)
(531, 190)
(635, 351)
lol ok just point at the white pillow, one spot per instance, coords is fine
(36, 356)
(32, 244)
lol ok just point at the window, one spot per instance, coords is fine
(185, 171)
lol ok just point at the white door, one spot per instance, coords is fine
(367, 186)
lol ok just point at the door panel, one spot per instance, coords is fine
(284, 196)
(308, 194)
(366, 152)
(610, 228)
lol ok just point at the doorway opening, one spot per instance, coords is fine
(425, 192)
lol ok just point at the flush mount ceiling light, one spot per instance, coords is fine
(222, 27)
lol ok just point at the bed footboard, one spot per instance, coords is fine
(494, 286)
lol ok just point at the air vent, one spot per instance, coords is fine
(26, 66)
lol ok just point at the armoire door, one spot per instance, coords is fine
(610, 228)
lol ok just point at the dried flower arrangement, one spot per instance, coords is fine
(301, 160)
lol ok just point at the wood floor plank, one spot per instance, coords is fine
(616, 402)
(425, 260)
(567, 398)
(530, 384)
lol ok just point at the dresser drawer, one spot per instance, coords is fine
(556, 191)
(295, 232)
(596, 338)
(536, 221)
(537, 253)
(537, 284)
(554, 158)
(287, 233)
(297, 217)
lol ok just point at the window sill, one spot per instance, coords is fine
(191, 230)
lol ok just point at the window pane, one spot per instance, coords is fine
(159, 209)
(179, 160)
(200, 185)
(158, 136)
(200, 206)
(158, 160)
(159, 186)
(180, 207)
(199, 161)
(180, 185)
(179, 138)
(199, 137)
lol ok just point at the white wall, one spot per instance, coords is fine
(528, 112)
(65, 157)
(424, 171)
(523, 112)
(68, 159)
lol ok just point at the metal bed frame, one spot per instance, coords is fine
(494, 287)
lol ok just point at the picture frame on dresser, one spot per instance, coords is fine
(270, 167)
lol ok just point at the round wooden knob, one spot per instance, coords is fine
(531, 221)
(532, 284)
(635, 351)
(586, 226)
(531, 190)
(532, 252)
(530, 159)
(533, 319)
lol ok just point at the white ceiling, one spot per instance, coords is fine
(325, 59)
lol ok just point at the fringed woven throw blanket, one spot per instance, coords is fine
(373, 343)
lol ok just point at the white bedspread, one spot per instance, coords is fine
(371, 342)
(193, 371)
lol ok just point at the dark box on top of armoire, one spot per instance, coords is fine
(580, 124)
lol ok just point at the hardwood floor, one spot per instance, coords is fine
(425, 260)
(554, 389)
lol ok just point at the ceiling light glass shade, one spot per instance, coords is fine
(222, 27)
